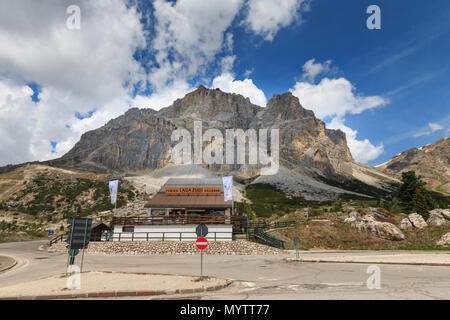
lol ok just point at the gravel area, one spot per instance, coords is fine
(238, 247)
(106, 281)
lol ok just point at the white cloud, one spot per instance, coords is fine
(267, 17)
(163, 98)
(334, 97)
(77, 70)
(246, 87)
(189, 34)
(435, 126)
(312, 70)
(432, 127)
(362, 150)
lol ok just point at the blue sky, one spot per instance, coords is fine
(406, 61)
(387, 89)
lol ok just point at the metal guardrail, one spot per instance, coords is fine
(55, 240)
(257, 230)
(267, 238)
(268, 225)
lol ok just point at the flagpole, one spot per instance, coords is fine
(232, 198)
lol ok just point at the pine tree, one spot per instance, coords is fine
(412, 195)
(338, 205)
(395, 207)
(420, 203)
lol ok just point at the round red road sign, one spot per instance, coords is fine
(201, 243)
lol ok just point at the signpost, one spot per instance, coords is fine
(297, 247)
(201, 230)
(78, 237)
(201, 244)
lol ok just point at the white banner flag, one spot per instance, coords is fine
(113, 186)
(227, 188)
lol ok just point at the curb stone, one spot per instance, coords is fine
(119, 293)
(10, 266)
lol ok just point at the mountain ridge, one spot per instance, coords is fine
(139, 141)
(431, 162)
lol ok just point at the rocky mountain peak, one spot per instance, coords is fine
(286, 106)
(205, 104)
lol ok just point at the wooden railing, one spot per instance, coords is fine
(180, 219)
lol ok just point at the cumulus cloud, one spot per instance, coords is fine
(226, 82)
(312, 69)
(335, 97)
(188, 36)
(77, 70)
(267, 17)
(362, 150)
(164, 97)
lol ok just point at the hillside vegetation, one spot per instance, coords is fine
(37, 198)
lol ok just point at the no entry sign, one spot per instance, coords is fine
(201, 243)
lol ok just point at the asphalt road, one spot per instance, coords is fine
(256, 277)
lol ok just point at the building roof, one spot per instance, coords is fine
(197, 201)
(98, 224)
(162, 200)
(193, 183)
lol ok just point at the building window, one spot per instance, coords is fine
(158, 212)
(128, 229)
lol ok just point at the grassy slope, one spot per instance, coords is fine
(335, 234)
(38, 196)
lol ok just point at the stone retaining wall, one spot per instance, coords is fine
(238, 247)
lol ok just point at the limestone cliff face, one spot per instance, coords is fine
(305, 143)
(140, 139)
(137, 140)
(432, 162)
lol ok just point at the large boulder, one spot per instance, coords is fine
(436, 219)
(354, 214)
(405, 224)
(384, 230)
(445, 240)
(376, 213)
(417, 220)
(445, 213)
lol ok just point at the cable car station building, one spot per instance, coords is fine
(177, 209)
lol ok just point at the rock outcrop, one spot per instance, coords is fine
(444, 241)
(445, 213)
(417, 220)
(405, 224)
(436, 219)
(367, 223)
